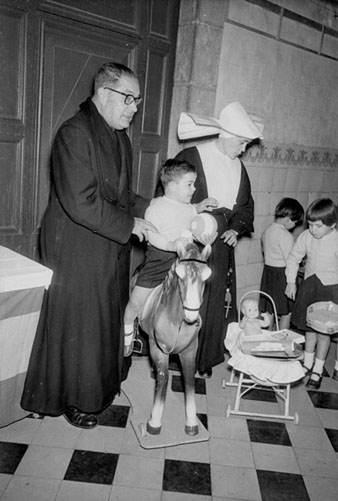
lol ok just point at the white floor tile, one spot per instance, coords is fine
(44, 462)
(275, 458)
(22, 488)
(79, 491)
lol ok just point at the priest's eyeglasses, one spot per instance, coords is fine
(128, 98)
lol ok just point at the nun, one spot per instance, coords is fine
(222, 175)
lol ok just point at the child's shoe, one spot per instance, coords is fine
(335, 375)
(306, 369)
(314, 383)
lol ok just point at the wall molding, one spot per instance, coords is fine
(291, 155)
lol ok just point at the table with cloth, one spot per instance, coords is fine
(22, 286)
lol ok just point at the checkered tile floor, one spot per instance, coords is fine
(245, 458)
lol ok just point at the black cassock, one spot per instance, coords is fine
(77, 354)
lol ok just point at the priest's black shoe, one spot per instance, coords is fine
(80, 419)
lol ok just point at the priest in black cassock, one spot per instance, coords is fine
(75, 367)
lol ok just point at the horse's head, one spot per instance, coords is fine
(192, 272)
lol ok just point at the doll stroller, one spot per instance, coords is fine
(269, 362)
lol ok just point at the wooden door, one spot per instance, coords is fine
(71, 58)
(62, 45)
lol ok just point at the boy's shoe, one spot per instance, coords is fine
(136, 344)
(335, 375)
(128, 348)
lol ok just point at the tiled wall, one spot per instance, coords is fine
(277, 171)
(280, 60)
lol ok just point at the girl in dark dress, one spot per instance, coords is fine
(277, 242)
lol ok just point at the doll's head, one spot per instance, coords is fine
(250, 308)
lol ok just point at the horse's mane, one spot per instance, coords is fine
(192, 252)
(169, 278)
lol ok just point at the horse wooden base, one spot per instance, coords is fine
(189, 430)
(139, 389)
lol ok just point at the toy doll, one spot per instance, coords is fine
(252, 322)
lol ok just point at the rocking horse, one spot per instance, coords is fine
(171, 319)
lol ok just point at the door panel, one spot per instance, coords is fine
(69, 65)
(119, 15)
(14, 137)
(153, 124)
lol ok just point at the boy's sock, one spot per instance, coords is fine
(336, 366)
(318, 368)
(309, 358)
(128, 334)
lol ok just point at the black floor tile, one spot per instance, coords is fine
(276, 486)
(268, 432)
(92, 467)
(261, 395)
(175, 363)
(204, 419)
(200, 386)
(325, 373)
(324, 400)
(187, 477)
(114, 415)
(333, 437)
(10, 456)
(177, 385)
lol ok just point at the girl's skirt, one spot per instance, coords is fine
(311, 291)
(274, 283)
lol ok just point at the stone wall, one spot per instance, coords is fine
(280, 60)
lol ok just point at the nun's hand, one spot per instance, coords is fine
(230, 237)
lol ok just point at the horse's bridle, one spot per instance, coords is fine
(195, 260)
(192, 259)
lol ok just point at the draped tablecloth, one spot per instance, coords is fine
(22, 287)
